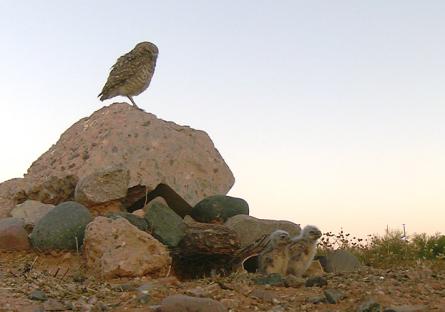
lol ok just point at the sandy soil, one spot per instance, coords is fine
(62, 279)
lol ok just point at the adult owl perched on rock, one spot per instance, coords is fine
(132, 73)
(302, 250)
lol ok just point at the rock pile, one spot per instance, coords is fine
(135, 196)
(117, 161)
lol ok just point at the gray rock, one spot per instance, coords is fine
(146, 287)
(270, 279)
(13, 235)
(53, 305)
(218, 208)
(369, 305)
(124, 287)
(277, 308)
(182, 303)
(249, 229)
(102, 186)
(264, 295)
(341, 261)
(316, 281)
(38, 295)
(316, 299)
(61, 228)
(294, 281)
(142, 298)
(31, 211)
(333, 296)
(165, 224)
(140, 223)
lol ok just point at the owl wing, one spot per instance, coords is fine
(125, 68)
(297, 249)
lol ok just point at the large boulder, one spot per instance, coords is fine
(153, 150)
(61, 228)
(31, 211)
(13, 235)
(116, 248)
(249, 229)
(218, 208)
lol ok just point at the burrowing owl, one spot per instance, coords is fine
(275, 257)
(132, 72)
(302, 250)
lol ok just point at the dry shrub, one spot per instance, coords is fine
(387, 250)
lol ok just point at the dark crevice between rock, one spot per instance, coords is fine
(200, 265)
(251, 264)
(134, 194)
(173, 199)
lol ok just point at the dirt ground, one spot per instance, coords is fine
(61, 278)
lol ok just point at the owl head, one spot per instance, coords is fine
(311, 232)
(279, 238)
(146, 46)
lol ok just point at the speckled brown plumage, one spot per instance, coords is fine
(274, 258)
(302, 250)
(132, 73)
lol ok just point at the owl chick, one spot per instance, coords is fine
(274, 258)
(132, 73)
(302, 250)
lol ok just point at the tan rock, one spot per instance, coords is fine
(249, 228)
(31, 211)
(49, 189)
(52, 189)
(116, 248)
(139, 213)
(105, 208)
(13, 235)
(102, 186)
(182, 303)
(13, 189)
(6, 205)
(154, 151)
(11, 192)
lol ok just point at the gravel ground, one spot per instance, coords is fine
(56, 282)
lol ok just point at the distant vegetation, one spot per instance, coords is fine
(390, 249)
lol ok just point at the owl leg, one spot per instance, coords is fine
(131, 99)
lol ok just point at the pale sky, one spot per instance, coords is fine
(328, 112)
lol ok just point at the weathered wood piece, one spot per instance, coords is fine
(207, 238)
